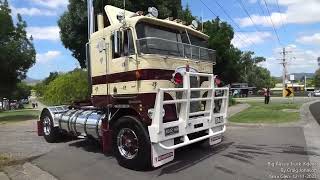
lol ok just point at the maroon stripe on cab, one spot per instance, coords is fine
(143, 74)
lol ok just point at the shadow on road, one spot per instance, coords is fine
(87, 145)
(191, 155)
(227, 151)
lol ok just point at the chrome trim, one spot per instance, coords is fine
(125, 143)
(183, 51)
(84, 122)
(46, 125)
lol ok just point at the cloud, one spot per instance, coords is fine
(32, 11)
(246, 39)
(252, 1)
(44, 33)
(297, 12)
(53, 4)
(312, 39)
(48, 56)
(299, 60)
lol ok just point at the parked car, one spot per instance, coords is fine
(316, 93)
(24, 101)
(14, 104)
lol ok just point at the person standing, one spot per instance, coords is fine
(267, 96)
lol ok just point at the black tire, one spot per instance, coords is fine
(54, 134)
(142, 158)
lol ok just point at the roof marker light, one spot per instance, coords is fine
(194, 24)
(153, 11)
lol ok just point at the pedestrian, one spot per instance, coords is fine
(267, 96)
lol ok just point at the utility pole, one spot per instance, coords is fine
(305, 83)
(285, 65)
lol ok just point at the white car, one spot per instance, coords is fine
(316, 93)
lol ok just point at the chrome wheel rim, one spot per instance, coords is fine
(46, 126)
(127, 143)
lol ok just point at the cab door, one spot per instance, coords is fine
(98, 68)
(123, 64)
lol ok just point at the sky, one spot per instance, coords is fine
(262, 26)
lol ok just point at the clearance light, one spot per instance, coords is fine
(138, 75)
(177, 78)
(153, 11)
(194, 24)
(120, 16)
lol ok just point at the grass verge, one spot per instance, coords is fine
(18, 115)
(4, 161)
(268, 113)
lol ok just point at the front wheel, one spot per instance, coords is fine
(131, 144)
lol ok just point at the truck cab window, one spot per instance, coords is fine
(122, 43)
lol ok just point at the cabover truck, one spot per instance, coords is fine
(152, 90)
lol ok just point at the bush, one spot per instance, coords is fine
(67, 88)
(232, 101)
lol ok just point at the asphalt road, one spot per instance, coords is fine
(246, 153)
(315, 111)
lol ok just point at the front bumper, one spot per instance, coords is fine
(163, 135)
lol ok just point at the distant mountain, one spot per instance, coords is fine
(300, 76)
(297, 76)
(31, 81)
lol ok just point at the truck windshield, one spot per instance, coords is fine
(154, 39)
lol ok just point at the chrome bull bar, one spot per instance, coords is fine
(186, 124)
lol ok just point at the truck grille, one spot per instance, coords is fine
(194, 83)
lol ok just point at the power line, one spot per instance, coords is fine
(217, 15)
(231, 19)
(227, 14)
(274, 29)
(249, 31)
(263, 13)
(208, 8)
(281, 17)
(246, 11)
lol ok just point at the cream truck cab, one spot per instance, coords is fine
(153, 90)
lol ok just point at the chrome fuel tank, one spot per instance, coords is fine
(84, 122)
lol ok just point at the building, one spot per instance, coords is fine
(319, 61)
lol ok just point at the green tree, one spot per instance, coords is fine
(310, 82)
(67, 88)
(186, 15)
(73, 23)
(227, 57)
(254, 75)
(317, 79)
(40, 89)
(52, 76)
(17, 53)
(41, 86)
(22, 91)
(233, 65)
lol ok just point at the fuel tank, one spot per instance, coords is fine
(80, 122)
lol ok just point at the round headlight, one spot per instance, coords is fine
(150, 113)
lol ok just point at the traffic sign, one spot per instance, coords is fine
(287, 92)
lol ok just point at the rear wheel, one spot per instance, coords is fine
(131, 144)
(51, 133)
